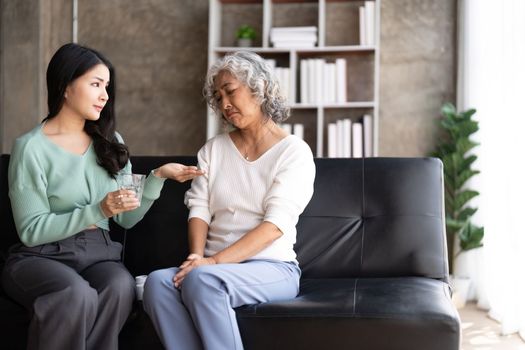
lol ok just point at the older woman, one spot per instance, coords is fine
(243, 214)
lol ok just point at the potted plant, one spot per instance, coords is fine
(455, 150)
(245, 35)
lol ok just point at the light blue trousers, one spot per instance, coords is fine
(200, 314)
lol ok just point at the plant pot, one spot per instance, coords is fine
(242, 42)
(468, 264)
(460, 290)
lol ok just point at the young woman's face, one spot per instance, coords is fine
(86, 96)
(236, 101)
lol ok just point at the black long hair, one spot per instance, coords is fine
(67, 64)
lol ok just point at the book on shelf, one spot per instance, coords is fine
(367, 23)
(340, 138)
(298, 130)
(347, 139)
(293, 37)
(303, 81)
(357, 140)
(321, 81)
(332, 140)
(368, 137)
(340, 71)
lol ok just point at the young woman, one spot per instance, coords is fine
(67, 271)
(242, 214)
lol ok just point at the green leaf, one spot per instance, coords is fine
(463, 197)
(448, 109)
(467, 163)
(466, 213)
(455, 224)
(466, 128)
(464, 144)
(471, 236)
(464, 176)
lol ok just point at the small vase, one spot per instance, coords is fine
(242, 42)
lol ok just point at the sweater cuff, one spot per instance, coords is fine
(153, 186)
(277, 221)
(93, 213)
(201, 213)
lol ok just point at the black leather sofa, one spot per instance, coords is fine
(372, 249)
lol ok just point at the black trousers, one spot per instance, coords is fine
(78, 292)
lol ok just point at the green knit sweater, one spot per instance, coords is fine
(56, 194)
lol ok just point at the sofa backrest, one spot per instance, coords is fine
(372, 217)
(8, 235)
(375, 217)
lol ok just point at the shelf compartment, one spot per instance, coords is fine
(234, 15)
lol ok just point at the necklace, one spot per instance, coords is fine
(246, 149)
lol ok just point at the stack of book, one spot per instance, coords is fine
(293, 37)
(322, 81)
(347, 139)
(367, 24)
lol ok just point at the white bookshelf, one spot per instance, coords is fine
(362, 60)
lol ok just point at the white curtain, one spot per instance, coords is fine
(491, 78)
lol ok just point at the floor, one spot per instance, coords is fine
(482, 333)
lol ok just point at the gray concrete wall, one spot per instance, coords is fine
(418, 73)
(30, 32)
(160, 50)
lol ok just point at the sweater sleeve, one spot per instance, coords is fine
(151, 192)
(35, 223)
(291, 190)
(197, 198)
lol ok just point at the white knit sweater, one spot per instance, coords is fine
(237, 195)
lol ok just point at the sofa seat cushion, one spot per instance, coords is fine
(364, 313)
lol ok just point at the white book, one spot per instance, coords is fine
(304, 81)
(287, 127)
(326, 83)
(357, 140)
(298, 130)
(293, 36)
(319, 78)
(340, 67)
(331, 76)
(293, 44)
(368, 138)
(340, 139)
(370, 22)
(332, 140)
(312, 80)
(362, 26)
(306, 29)
(347, 142)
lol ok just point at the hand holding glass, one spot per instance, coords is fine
(133, 182)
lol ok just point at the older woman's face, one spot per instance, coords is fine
(236, 101)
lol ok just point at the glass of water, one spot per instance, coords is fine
(133, 182)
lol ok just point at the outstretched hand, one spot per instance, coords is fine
(178, 172)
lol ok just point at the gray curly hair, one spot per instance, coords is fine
(253, 71)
